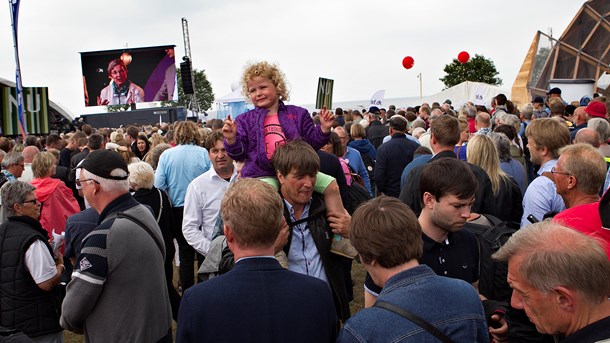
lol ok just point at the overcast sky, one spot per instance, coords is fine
(360, 44)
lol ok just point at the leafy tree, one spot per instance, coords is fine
(539, 61)
(478, 69)
(203, 91)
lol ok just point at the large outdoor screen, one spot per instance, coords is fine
(130, 75)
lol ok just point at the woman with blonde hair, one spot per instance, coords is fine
(481, 151)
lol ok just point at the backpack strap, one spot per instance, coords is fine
(140, 224)
(160, 205)
(415, 319)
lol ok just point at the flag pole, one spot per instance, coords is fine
(14, 6)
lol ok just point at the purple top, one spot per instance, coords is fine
(249, 143)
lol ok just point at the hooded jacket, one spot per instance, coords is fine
(57, 203)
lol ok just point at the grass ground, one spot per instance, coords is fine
(356, 305)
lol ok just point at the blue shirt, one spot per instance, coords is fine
(303, 256)
(354, 159)
(541, 196)
(417, 161)
(179, 166)
(516, 170)
(411, 138)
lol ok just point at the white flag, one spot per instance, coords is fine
(377, 98)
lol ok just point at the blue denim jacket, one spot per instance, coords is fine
(451, 305)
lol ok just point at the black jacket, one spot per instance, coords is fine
(392, 158)
(25, 307)
(484, 201)
(322, 236)
(375, 133)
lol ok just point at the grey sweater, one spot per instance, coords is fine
(118, 291)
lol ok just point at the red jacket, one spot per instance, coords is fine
(58, 203)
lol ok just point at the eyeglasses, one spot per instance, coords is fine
(79, 182)
(554, 172)
(33, 201)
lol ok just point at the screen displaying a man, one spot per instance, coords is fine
(120, 90)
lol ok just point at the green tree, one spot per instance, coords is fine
(203, 91)
(539, 61)
(478, 69)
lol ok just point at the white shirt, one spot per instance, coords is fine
(27, 175)
(202, 208)
(39, 262)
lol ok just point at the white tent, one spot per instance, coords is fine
(234, 96)
(233, 103)
(477, 92)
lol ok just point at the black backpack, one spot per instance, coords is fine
(369, 163)
(355, 194)
(492, 274)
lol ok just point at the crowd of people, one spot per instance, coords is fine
(265, 214)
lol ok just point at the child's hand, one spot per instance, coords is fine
(229, 130)
(326, 120)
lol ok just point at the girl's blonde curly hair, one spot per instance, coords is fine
(266, 70)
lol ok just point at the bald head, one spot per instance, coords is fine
(29, 152)
(342, 134)
(482, 120)
(580, 116)
(588, 136)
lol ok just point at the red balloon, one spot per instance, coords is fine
(408, 62)
(463, 57)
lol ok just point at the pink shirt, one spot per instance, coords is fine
(274, 135)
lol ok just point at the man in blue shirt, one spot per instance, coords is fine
(309, 242)
(177, 167)
(545, 137)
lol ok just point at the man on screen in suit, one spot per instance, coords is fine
(257, 300)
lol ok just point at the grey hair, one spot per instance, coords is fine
(12, 158)
(109, 185)
(554, 255)
(502, 145)
(511, 119)
(141, 175)
(418, 123)
(15, 193)
(602, 127)
(527, 111)
(470, 111)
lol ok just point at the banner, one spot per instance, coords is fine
(35, 110)
(377, 98)
(18, 83)
(324, 96)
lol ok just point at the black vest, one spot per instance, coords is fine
(23, 305)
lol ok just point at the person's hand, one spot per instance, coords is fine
(499, 334)
(282, 237)
(229, 130)
(339, 223)
(326, 120)
(101, 102)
